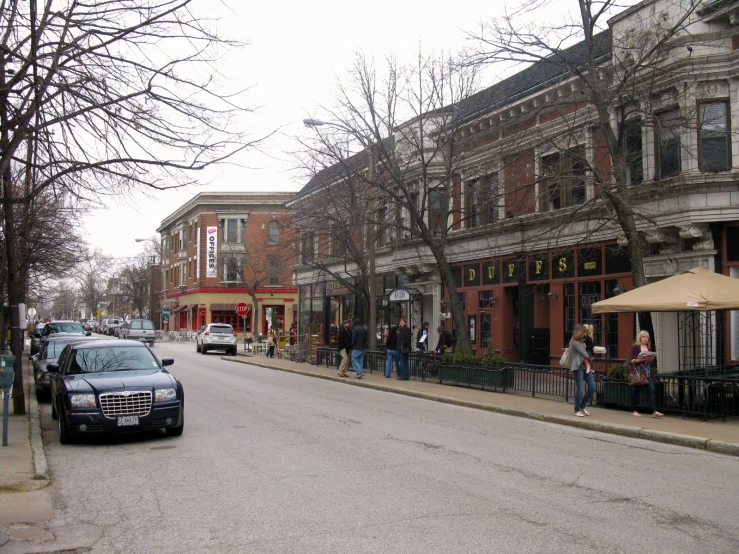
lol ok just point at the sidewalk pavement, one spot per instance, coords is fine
(715, 436)
(24, 474)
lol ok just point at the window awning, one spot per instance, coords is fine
(223, 308)
(180, 308)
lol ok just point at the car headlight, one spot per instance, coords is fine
(82, 400)
(162, 395)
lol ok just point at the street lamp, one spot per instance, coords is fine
(164, 284)
(372, 323)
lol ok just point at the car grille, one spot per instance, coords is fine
(115, 404)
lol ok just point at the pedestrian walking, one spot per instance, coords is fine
(422, 345)
(445, 340)
(404, 348)
(272, 342)
(641, 362)
(391, 342)
(359, 346)
(344, 342)
(581, 370)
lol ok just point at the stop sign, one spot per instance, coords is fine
(242, 309)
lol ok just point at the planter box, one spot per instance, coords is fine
(475, 375)
(618, 393)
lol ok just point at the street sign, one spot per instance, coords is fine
(242, 309)
(165, 310)
(31, 312)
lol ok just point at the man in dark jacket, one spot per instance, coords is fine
(445, 340)
(404, 348)
(359, 345)
(345, 347)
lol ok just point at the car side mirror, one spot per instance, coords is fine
(167, 361)
(37, 335)
(52, 368)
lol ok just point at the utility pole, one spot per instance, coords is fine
(371, 250)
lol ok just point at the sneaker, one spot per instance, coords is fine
(360, 375)
(587, 413)
(579, 414)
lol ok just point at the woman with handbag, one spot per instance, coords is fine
(581, 370)
(640, 374)
(404, 349)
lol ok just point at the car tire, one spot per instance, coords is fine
(64, 436)
(233, 351)
(54, 415)
(197, 347)
(177, 431)
(203, 350)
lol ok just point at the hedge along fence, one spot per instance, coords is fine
(467, 369)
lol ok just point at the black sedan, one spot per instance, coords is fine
(51, 347)
(114, 386)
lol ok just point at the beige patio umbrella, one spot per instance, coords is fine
(693, 290)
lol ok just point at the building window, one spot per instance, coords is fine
(338, 239)
(231, 231)
(714, 137)
(436, 211)
(563, 180)
(481, 201)
(633, 152)
(485, 330)
(273, 271)
(274, 232)
(611, 323)
(308, 246)
(589, 294)
(472, 328)
(569, 311)
(486, 299)
(233, 269)
(413, 223)
(667, 148)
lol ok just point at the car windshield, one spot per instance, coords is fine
(53, 349)
(70, 327)
(221, 329)
(100, 360)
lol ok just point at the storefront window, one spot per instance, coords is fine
(590, 293)
(485, 330)
(569, 312)
(472, 328)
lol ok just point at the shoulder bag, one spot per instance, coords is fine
(637, 378)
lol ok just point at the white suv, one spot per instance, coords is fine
(217, 336)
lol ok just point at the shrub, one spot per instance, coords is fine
(617, 372)
(489, 359)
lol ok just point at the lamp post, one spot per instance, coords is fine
(372, 323)
(164, 284)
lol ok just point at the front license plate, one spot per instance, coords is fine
(128, 420)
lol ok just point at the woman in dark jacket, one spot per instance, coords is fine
(404, 349)
(391, 342)
(581, 370)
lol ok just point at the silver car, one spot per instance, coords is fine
(217, 336)
(142, 330)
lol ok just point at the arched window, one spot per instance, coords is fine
(274, 231)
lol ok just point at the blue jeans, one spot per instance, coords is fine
(581, 401)
(392, 356)
(652, 396)
(358, 361)
(404, 372)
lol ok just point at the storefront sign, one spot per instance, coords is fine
(563, 265)
(590, 261)
(539, 268)
(212, 252)
(471, 275)
(334, 288)
(400, 295)
(511, 270)
(490, 273)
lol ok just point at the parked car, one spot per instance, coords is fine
(112, 386)
(217, 336)
(51, 347)
(110, 325)
(33, 335)
(138, 329)
(54, 327)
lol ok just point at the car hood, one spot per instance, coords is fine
(120, 380)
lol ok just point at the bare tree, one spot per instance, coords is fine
(608, 86)
(106, 97)
(90, 277)
(135, 286)
(407, 120)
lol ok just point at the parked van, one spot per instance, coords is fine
(138, 329)
(110, 325)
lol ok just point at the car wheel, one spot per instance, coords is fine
(203, 350)
(177, 431)
(54, 415)
(197, 347)
(64, 435)
(233, 351)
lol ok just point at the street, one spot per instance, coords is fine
(276, 462)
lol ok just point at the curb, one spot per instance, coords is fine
(654, 435)
(41, 468)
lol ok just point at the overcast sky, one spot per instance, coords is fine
(295, 52)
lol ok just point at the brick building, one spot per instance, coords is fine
(223, 248)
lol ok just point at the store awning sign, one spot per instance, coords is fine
(400, 295)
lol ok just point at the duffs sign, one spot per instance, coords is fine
(211, 249)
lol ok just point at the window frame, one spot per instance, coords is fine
(563, 182)
(727, 135)
(659, 149)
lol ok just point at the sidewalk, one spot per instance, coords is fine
(23, 470)
(715, 436)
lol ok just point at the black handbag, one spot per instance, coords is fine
(405, 350)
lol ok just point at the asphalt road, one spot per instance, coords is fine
(277, 462)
